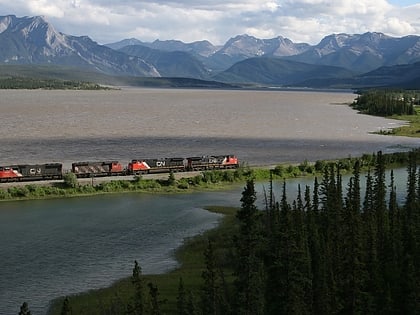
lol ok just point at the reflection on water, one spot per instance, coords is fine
(58, 247)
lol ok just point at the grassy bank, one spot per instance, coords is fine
(191, 260)
(73, 188)
(412, 129)
(190, 255)
(208, 180)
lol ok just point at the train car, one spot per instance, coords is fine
(147, 166)
(29, 172)
(96, 169)
(212, 162)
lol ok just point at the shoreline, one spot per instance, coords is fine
(183, 182)
(182, 255)
(178, 253)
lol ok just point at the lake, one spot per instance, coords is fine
(52, 248)
(260, 127)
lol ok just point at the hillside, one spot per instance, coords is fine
(32, 46)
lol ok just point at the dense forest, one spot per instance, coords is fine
(329, 251)
(49, 84)
(386, 102)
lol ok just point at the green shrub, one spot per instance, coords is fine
(70, 180)
(18, 192)
(279, 170)
(4, 194)
(183, 185)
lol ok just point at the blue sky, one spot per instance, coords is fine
(403, 2)
(107, 21)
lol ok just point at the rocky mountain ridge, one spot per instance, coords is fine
(34, 41)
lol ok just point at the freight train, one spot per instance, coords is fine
(52, 171)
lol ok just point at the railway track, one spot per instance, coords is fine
(98, 180)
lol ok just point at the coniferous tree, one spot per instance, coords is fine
(369, 248)
(272, 257)
(249, 265)
(284, 302)
(393, 203)
(211, 289)
(192, 308)
(330, 214)
(394, 272)
(315, 247)
(154, 299)
(368, 200)
(410, 287)
(24, 309)
(272, 216)
(382, 237)
(290, 268)
(181, 300)
(66, 308)
(118, 305)
(308, 204)
(351, 286)
(137, 281)
(300, 261)
(315, 197)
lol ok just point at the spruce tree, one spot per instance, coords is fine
(249, 265)
(396, 252)
(154, 299)
(289, 289)
(300, 262)
(181, 300)
(319, 302)
(284, 302)
(352, 270)
(382, 238)
(66, 308)
(272, 256)
(315, 196)
(331, 220)
(137, 281)
(24, 309)
(370, 257)
(211, 291)
(410, 287)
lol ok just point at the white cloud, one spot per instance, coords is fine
(397, 26)
(47, 8)
(190, 20)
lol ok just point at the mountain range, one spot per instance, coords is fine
(338, 60)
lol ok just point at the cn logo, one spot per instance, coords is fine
(160, 163)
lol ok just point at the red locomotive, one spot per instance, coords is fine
(50, 171)
(31, 172)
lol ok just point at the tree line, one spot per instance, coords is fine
(329, 251)
(386, 102)
(49, 84)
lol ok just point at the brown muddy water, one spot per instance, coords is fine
(88, 243)
(260, 127)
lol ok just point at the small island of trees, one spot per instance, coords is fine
(48, 84)
(386, 102)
